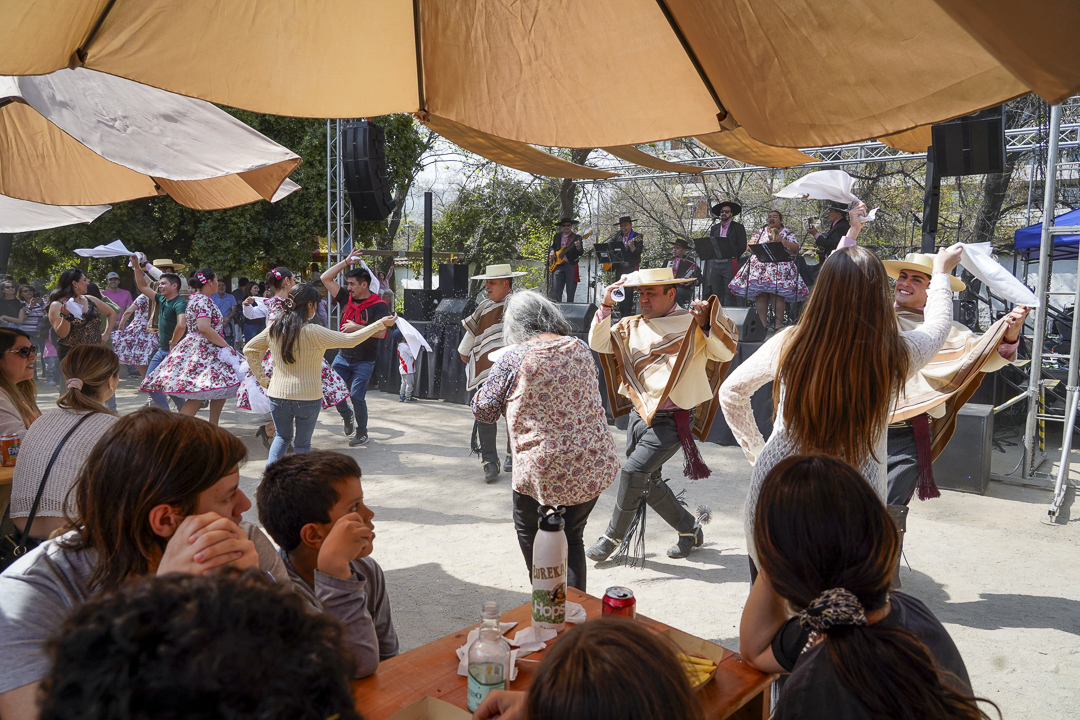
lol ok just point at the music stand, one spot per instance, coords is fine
(770, 252)
(610, 253)
(716, 248)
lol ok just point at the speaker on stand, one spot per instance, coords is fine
(363, 155)
(749, 324)
(454, 280)
(580, 315)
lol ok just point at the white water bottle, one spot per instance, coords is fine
(489, 659)
(549, 570)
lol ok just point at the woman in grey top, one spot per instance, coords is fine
(93, 372)
(158, 494)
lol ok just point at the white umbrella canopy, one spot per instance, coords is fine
(18, 216)
(81, 137)
(575, 73)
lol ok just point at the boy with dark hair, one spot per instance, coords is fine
(186, 646)
(312, 505)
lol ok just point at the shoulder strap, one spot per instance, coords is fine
(41, 487)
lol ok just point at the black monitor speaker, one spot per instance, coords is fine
(748, 323)
(363, 155)
(452, 311)
(964, 464)
(421, 304)
(454, 280)
(971, 145)
(580, 315)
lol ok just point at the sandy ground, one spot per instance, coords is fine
(1004, 582)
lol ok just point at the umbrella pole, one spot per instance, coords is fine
(1035, 378)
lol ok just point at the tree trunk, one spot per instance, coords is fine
(5, 251)
(568, 190)
(995, 187)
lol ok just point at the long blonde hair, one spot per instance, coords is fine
(23, 395)
(844, 363)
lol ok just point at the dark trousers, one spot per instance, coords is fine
(647, 449)
(526, 518)
(718, 274)
(564, 277)
(488, 435)
(903, 465)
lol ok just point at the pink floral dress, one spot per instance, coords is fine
(135, 345)
(193, 370)
(333, 387)
(781, 278)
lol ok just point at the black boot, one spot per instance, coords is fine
(687, 542)
(601, 550)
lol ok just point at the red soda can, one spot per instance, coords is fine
(9, 450)
(620, 601)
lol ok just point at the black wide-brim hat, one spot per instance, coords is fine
(567, 221)
(625, 218)
(838, 207)
(682, 243)
(736, 208)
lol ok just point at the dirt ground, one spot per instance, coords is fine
(1004, 582)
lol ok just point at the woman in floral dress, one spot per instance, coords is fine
(133, 343)
(194, 369)
(280, 280)
(779, 282)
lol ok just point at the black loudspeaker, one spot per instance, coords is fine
(452, 311)
(454, 281)
(580, 315)
(964, 464)
(971, 145)
(363, 155)
(749, 324)
(421, 304)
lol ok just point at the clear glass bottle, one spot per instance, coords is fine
(489, 658)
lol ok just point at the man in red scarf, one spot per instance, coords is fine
(359, 307)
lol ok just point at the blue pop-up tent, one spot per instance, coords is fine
(1026, 241)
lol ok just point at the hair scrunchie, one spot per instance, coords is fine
(288, 304)
(833, 608)
(75, 383)
(276, 273)
(200, 277)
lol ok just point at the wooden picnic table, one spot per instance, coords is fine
(737, 691)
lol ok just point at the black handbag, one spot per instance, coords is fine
(16, 544)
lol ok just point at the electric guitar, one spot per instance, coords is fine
(560, 257)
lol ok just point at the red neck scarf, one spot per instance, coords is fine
(353, 309)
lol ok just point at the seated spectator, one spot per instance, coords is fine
(607, 669)
(158, 494)
(74, 429)
(827, 548)
(190, 648)
(313, 507)
(18, 391)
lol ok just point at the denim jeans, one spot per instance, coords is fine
(356, 374)
(157, 396)
(294, 420)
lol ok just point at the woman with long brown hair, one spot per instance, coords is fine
(296, 347)
(18, 391)
(81, 418)
(159, 493)
(827, 548)
(836, 373)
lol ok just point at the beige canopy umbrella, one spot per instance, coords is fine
(80, 137)
(595, 73)
(18, 216)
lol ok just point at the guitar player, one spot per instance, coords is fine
(566, 248)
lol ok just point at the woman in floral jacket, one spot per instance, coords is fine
(545, 381)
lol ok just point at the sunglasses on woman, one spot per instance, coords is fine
(25, 351)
